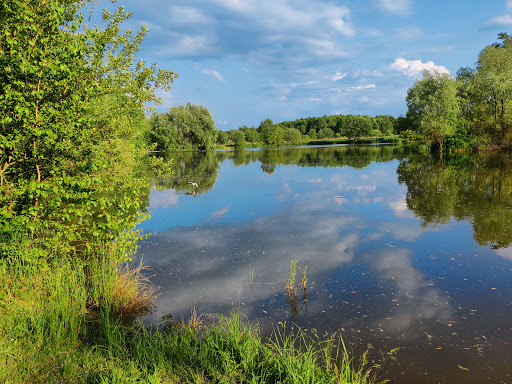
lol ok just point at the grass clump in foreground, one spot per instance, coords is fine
(61, 322)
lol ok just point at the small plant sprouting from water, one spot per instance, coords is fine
(290, 283)
(291, 289)
(304, 281)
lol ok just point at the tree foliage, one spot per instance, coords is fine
(184, 126)
(433, 106)
(238, 137)
(71, 102)
(492, 88)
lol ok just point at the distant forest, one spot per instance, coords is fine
(311, 128)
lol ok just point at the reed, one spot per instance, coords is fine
(290, 283)
(304, 280)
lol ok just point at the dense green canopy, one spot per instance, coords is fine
(71, 113)
(183, 127)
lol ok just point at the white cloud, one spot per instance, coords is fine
(374, 33)
(509, 4)
(338, 76)
(360, 87)
(408, 33)
(188, 45)
(414, 67)
(500, 20)
(367, 73)
(163, 199)
(339, 200)
(400, 208)
(187, 15)
(212, 73)
(296, 16)
(265, 30)
(315, 99)
(505, 252)
(401, 7)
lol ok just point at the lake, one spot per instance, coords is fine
(399, 250)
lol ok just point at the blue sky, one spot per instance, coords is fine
(248, 60)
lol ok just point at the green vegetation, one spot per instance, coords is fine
(290, 283)
(473, 110)
(433, 106)
(354, 156)
(71, 127)
(324, 130)
(61, 323)
(183, 127)
(291, 290)
(470, 187)
(304, 279)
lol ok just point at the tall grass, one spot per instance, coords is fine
(41, 315)
(63, 322)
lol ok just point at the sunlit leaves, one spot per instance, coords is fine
(433, 105)
(185, 126)
(71, 123)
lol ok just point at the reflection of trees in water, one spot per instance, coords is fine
(471, 187)
(355, 156)
(203, 167)
(185, 167)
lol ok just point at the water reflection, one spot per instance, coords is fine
(387, 265)
(474, 188)
(417, 302)
(185, 168)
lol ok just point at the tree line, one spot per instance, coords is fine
(305, 129)
(471, 110)
(192, 127)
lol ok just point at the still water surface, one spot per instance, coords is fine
(402, 250)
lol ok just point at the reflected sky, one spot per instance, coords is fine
(376, 273)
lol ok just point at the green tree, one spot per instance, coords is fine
(270, 133)
(358, 126)
(238, 138)
(401, 124)
(265, 129)
(252, 135)
(222, 137)
(64, 88)
(433, 106)
(385, 124)
(326, 133)
(184, 126)
(493, 87)
(292, 135)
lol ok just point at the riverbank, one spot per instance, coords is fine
(63, 321)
